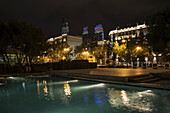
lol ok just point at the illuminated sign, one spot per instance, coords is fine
(98, 29)
(85, 30)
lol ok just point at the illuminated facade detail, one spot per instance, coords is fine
(67, 41)
(126, 33)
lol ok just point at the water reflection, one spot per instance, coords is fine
(45, 88)
(131, 100)
(38, 88)
(23, 85)
(51, 91)
(125, 98)
(89, 86)
(86, 95)
(65, 95)
(67, 89)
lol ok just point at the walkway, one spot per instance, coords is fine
(153, 78)
(116, 72)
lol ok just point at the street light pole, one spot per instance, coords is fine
(66, 50)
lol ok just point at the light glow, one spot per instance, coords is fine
(123, 41)
(66, 49)
(138, 48)
(67, 89)
(70, 81)
(91, 86)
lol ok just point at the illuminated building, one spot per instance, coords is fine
(98, 35)
(86, 38)
(65, 41)
(127, 33)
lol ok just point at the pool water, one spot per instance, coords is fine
(63, 95)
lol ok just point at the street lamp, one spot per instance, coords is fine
(86, 54)
(123, 41)
(66, 49)
(138, 53)
(66, 52)
(138, 48)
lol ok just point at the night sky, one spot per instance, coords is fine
(48, 14)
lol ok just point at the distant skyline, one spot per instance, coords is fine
(79, 13)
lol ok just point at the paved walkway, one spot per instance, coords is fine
(116, 72)
(152, 78)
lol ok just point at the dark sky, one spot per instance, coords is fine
(48, 14)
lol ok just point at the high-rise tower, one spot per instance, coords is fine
(65, 27)
(98, 35)
(86, 39)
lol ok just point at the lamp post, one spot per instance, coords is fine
(125, 42)
(66, 51)
(138, 48)
(86, 54)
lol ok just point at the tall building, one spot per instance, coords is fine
(65, 27)
(86, 38)
(98, 35)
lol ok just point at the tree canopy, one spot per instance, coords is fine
(159, 31)
(29, 40)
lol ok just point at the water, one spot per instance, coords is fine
(63, 95)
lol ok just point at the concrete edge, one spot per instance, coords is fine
(112, 81)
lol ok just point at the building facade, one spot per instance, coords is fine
(127, 33)
(131, 36)
(66, 41)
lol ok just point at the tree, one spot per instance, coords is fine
(4, 42)
(120, 50)
(159, 35)
(100, 53)
(26, 41)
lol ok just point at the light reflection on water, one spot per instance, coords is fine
(78, 95)
(131, 100)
